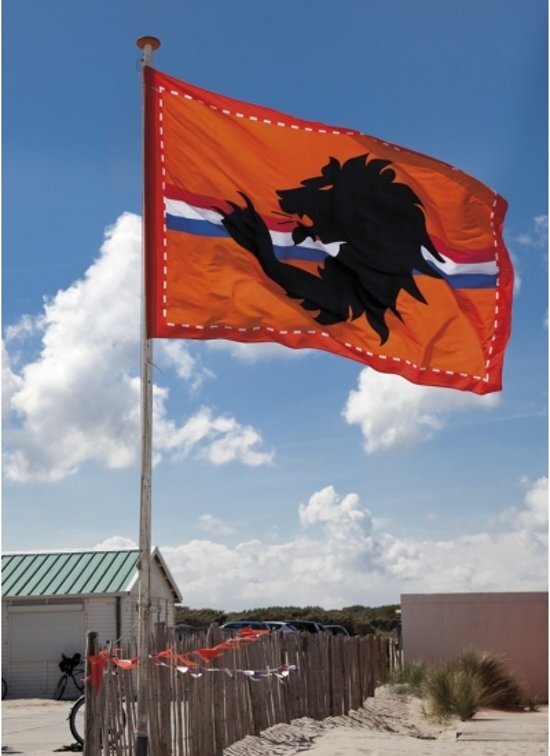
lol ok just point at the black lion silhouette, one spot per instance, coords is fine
(379, 224)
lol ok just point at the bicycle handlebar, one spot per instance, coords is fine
(67, 664)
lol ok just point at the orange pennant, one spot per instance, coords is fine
(96, 665)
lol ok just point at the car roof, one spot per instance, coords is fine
(306, 624)
(278, 622)
(241, 623)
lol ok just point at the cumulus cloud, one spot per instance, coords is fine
(513, 558)
(216, 438)
(211, 524)
(533, 516)
(11, 382)
(339, 516)
(114, 543)
(175, 354)
(75, 399)
(339, 558)
(394, 413)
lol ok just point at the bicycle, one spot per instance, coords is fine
(77, 722)
(70, 669)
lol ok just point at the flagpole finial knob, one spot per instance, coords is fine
(151, 42)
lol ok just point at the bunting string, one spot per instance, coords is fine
(99, 663)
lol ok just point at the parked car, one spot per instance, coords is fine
(284, 627)
(337, 630)
(238, 624)
(306, 626)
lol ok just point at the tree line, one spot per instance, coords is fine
(357, 619)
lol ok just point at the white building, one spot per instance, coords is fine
(51, 599)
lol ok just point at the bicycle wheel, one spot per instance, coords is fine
(60, 687)
(77, 719)
(77, 722)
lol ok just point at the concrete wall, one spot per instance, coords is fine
(437, 627)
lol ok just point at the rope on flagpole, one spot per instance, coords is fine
(148, 45)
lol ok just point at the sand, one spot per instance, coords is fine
(391, 724)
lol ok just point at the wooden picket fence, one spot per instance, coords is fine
(240, 693)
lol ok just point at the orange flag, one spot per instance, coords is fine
(264, 227)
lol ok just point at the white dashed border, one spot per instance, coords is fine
(162, 92)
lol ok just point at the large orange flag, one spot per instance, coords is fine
(264, 227)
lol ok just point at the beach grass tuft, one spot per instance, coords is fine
(412, 678)
(452, 691)
(500, 689)
(474, 680)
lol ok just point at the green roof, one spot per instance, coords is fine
(66, 573)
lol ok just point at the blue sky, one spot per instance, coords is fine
(281, 477)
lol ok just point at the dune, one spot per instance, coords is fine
(390, 724)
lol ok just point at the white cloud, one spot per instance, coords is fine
(116, 542)
(76, 400)
(339, 559)
(237, 443)
(211, 524)
(326, 506)
(394, 413)
(218, 439)
(534, 515)
(175, 353)
(537, 236)
(26, 327)
(11, 382)
(517, 273)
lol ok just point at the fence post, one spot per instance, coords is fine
(91, 731)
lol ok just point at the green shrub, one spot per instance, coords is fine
(412, 678)
(452, 691)
(475, 680)
(500, 688)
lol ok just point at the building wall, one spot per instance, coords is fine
(36, 631)
(437, 627)
(162, 601)
(34, 635)
(4, 639)
(101, 618)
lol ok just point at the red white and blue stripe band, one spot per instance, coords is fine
(474, 269)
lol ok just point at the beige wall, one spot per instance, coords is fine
(436, 627)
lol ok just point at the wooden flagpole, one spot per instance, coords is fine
(147, 44)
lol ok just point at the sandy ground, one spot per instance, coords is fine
(387, 725)
(394, 725)
(35, 726)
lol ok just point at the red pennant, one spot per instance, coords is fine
(96, 665)
(207, 653)
(126, 663)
